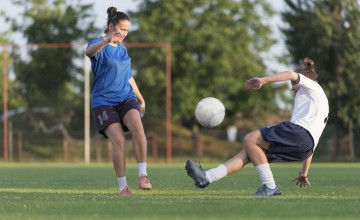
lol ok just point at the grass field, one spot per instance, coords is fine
(78, 191)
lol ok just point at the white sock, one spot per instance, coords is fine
(266, 175)
(142, 168)
(122, 182)
(216, 173)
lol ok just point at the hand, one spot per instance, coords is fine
(303, 180)
(254, 83)
(142, 110)
(111, 37)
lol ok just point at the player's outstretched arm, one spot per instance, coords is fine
(95, 48)
(257, 83)
(302, 178)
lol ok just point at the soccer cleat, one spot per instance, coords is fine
(125, 192)
(197, 174)
(144, 182)
(266, 191)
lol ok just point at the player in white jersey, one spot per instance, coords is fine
(293, 140)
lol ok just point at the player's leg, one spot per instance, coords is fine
(255, 146)
(230, 166)
(237, 162)
(116, 135)
(242, 158)
(132, 121)
(108, 123)
(204, 178)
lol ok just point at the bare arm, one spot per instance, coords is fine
(306, 166)
(257, 83)
(95, 48)
(138, 95)
(302, 178)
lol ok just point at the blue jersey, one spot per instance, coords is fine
(111, 67)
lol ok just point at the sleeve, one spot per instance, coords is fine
(96, 57)
(307, 83)
(296, 81)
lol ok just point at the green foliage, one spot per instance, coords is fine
(45, 74)
(216, 47)
(329, 32)
(78, 191)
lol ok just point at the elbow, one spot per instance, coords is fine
(294, 76)
(88, 54)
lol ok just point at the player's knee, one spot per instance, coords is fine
(249, 139)
(137, 129)
(119, 144)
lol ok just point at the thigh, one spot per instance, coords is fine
(256, 138)
(115, 133)
(129, 105)
(132, 120)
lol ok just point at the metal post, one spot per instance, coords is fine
(5, 101)
(168, 104)
(20, 144)
(167, 47)
(87, 109)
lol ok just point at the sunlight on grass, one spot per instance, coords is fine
(79, 191)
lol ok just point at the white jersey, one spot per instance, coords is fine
(311, 108)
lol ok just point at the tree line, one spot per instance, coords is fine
(216, 46)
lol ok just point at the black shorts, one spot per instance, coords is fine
(288, 142)
(106, 115)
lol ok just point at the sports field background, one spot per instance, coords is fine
(79, 191)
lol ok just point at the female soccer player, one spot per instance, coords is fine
(115, 98)
(293, 140)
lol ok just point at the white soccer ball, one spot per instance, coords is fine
(210, 112)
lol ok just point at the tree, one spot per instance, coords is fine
(216, 46)
(48, 77)
(329, 32)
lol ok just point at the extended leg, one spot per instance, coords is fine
(116, 135)
(203, 179)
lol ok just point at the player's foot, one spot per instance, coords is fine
(144, 182)
(125, 192)
(197, 174)
(266, 191)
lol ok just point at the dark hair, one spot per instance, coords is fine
(308, 69)
(114, 17)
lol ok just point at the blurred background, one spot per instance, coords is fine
(182, 51)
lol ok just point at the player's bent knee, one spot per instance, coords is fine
(119, 143)
(249, 139)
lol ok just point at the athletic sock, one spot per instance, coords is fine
(266, 175)
(216, 173)
(142, 168)
(122, 182)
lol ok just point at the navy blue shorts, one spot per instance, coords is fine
(106, 115)
(288, 142)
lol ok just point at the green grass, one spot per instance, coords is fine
(77, 191)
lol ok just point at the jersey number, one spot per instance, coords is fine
(103, 117)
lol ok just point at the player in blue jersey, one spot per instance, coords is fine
(293, 140)
(117, 104)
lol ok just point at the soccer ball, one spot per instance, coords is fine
(210, 112)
